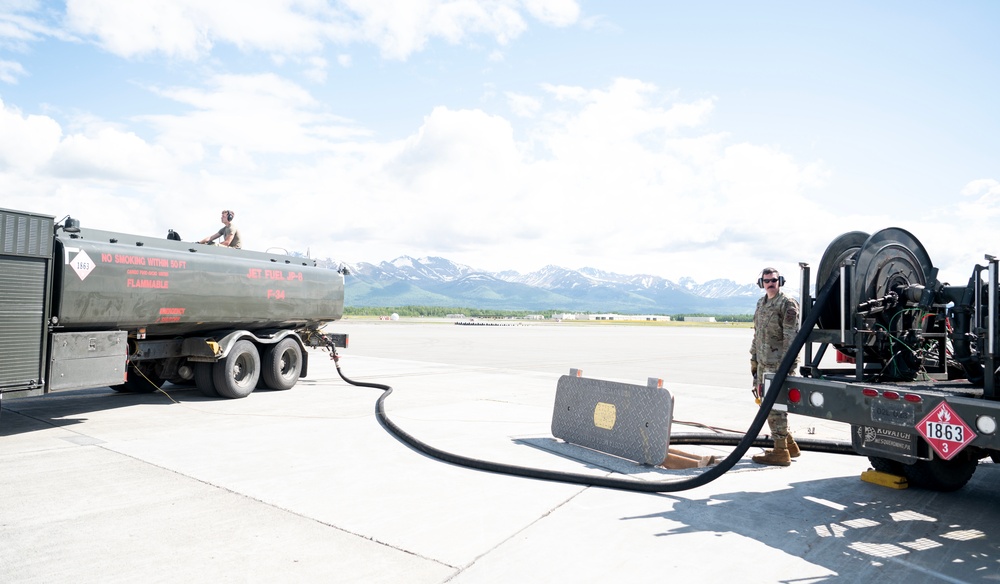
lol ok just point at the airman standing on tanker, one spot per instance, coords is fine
(230, 234)
(775, 324)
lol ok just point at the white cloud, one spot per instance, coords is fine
(26, 142)
(628, 176)
(524, 106)
(10, 71)
(18, 26)
(97, 171)
(958, 234)
(554, 12)
(316, 69)
(402, 27)
(188, 29)
(982, 200)
(35, 145)
(110, 154)
(622, 177)
(589, 187)
(19, 30)
(130, 29)
(623, 112)
(648, 188)
(257, 113)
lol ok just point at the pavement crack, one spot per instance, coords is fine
(513, 535)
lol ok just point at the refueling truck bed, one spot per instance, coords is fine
(919, 387)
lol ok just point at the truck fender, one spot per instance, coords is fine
(225, 344)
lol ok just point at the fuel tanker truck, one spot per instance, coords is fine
(916, 362)
(82, 308)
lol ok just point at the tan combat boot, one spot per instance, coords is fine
(793, 449)
(777, 457)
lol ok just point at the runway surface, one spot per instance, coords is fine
(305, 485)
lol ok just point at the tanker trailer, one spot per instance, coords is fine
(916, 373)
(87, 308)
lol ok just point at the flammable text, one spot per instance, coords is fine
(147, 283)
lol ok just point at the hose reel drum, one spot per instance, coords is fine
(887, 302)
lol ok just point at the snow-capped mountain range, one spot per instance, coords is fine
(435, 281)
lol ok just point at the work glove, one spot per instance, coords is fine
(753, 368)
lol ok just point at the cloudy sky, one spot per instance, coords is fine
(673, 138)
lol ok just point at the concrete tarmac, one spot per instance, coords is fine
(306, 486)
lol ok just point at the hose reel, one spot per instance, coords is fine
(888, 306)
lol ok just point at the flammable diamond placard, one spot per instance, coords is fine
(945, 431)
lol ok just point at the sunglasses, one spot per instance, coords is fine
(768, 280)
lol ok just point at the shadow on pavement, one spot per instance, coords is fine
(28, 414)
(861, 531)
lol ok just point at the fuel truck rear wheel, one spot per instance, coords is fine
(203, 379)
(942, 475)
(282, 365)
(236, 375)
(887, 466)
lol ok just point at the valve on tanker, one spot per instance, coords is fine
(67, 224)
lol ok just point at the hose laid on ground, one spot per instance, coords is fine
(707, 439)
(743, 443)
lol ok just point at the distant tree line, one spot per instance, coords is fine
(443, 311)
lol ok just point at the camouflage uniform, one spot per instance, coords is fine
(775, 324)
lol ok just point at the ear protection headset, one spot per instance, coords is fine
(760, 280)
(229, 215)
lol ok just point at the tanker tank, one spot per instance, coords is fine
(109, 280)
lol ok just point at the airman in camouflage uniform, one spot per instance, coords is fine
(775, 323)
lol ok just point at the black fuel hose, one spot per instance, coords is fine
(742, 445)
(714, 439)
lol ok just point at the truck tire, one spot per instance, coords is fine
(236, 375)
(887, 466)
(282, 364)
(203, 379)
(942, 475)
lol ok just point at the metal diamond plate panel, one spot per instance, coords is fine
(631, 421)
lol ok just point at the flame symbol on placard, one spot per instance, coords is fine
(943, 415)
